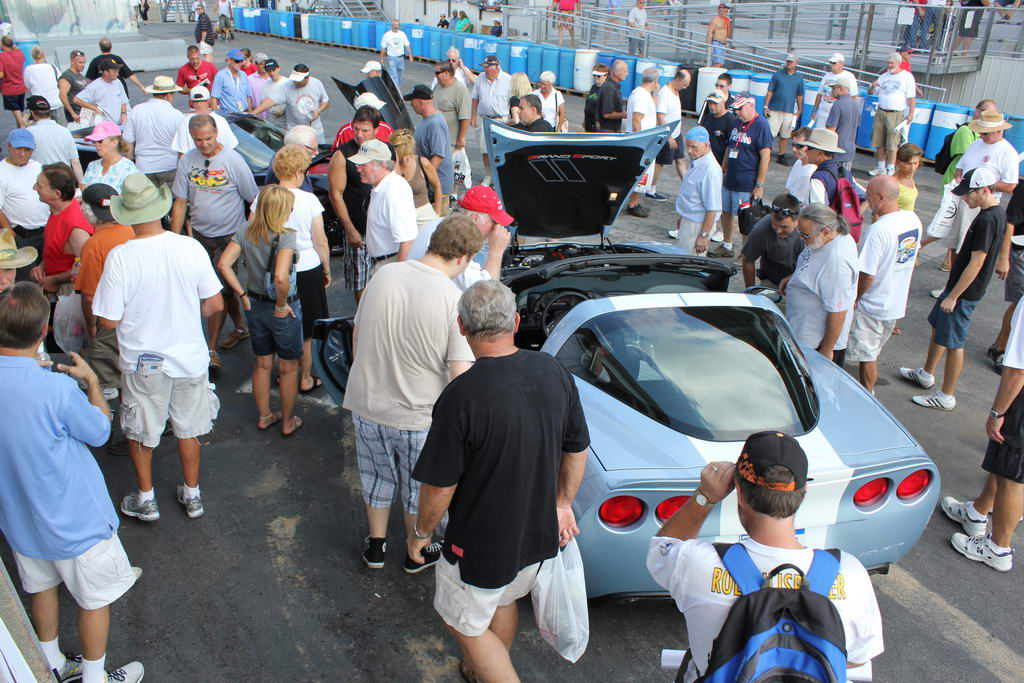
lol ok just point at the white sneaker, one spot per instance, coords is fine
(933, 400)
(916, 375)
(110, 393)
(132, 672)
(717, 235)
(877, 170)
(957, 512)
(487, 180)
(936, 293)
(674, 234)
(979, 549)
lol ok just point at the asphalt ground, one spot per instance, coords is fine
(268, 585)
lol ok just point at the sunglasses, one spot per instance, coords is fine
(797, 145)
(785, 213)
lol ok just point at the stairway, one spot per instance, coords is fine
(176, 10)
(360, 9)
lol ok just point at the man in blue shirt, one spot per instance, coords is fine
(700, 194)
(54, 507)
(843, 118)
(784, 104)
(745, 166)
(231, 86)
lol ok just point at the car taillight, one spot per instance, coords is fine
(913, 484)
(621, 511)
(871, 492)
(668, 507)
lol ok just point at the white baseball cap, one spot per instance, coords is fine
(199, 93)
(371, 66)
(368, 99)
(836, 57)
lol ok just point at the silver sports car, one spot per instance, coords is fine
(674, 372)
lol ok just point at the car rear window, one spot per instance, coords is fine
(712, 372)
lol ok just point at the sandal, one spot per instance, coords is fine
(274, 418)
(233, 338)
(317, 383)
(467, 672)
(296, 426)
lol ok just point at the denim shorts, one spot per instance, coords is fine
(731, 200)
(271, 335)
(951, 328)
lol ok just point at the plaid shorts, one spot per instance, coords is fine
(357, 267)
(386, 457)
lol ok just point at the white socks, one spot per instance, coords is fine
(924, 375)
(998, 549)
(727, 245)
(653, 189)
(54, 656)
(944, 397)
(92, 670)
(189, 491)
(146, 496)
(890, 170)
(973, 514)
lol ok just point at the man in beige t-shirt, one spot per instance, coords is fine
(453, 101)
(406, 348)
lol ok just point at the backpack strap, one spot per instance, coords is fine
(739, 565)
(823, 571)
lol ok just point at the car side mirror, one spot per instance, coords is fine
(773, 295)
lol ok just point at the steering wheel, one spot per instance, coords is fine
(557, 305)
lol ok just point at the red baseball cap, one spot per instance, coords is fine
(485, 200)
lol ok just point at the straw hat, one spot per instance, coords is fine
(824, 139)
(162, 85)
(990, 121)
(140, 201)
(11, 256)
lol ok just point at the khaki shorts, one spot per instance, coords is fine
(96, 578)
(101, 354)
(147, 401)
(781, 123)
(867, 337)
(687, 237)
(882, 131)
(469, 609)
(163, 178)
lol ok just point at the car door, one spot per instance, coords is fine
(332, 353)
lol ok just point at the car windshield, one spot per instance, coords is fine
(716, 373)
(258, 141)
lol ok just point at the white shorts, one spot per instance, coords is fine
(96, 578)
(867, 337)
(781, 123)
(469, 609)
(147, 401)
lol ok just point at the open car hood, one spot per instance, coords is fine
(394, 111)
(562, 185)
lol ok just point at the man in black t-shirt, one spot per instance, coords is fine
(610, 112)
(972, 270)
(1010, 267)
(530, 115)
(508, 490)
(124, 74)
(775, 241)
(719, 122)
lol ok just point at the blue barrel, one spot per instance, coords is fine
(922, 122)
(810, 92)
(276, 23)
(289, 19)
(606, 58)
(488, 45)
(626, 87)
(505, 53)
(471, 55)
(365, 32)
(345, 28)
(416, 34)
(867, 121)
(549, 62)
(566, 67)
(239, 19)
(1015, 135)
(336, 32)
(740, 80)
(433, 38)
(380, 28)
(945, 119)
(535, 62)
(759, 89)
(262, 21)
(315, 28)
(518, 57)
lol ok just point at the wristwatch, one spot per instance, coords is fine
(421, 536)
(994, 415)
(705, 235)
(702, 500)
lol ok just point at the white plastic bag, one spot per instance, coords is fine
(560, 603)
(463, 173)
(946, 215)
(69, 323)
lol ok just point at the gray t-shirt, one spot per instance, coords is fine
(300, 103)
(455, 105)
(256, 257)
(432, 141)
(778, 255)
(217, 190)
(270, 90)
(844, 117)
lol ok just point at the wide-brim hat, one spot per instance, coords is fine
(825, 140)
(11, 256)
(989, 122)
(140, 201)
(162, 85)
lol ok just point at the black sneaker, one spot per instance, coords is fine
(373, 556)
(638, 211)
(784, 160)
(118, 447)
(431, 554)
(993, 353)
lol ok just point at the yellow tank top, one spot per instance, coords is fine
(907, 198)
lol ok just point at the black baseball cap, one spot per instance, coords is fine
(270, 65)
(97, 196)
(37, 103)
(765, 449)
(419, 92)
(108, 63)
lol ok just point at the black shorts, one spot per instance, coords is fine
(667, 155)
(14, 102)
(310, 287)
(1004, 460)
(214, 247)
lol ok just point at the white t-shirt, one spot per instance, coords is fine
(549, 105)
(224, 8)
(394, 43)
(474, 272)
(895, 89)
(107, 96)
(18, 200)
(391, 217)
(183, 142)
(824, 281)
(799, 181)
(306, 208)
(41, 79)
(1014, 355)
(671, 107)
(703, 591)
(999, 157)
(888, 251)
(154, 287)
(637, 16)
(825, 90)
(152, 126)
(640, 101)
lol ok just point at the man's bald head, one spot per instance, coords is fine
(882, 191)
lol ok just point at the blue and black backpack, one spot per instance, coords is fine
(781, 635)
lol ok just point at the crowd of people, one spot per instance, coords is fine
(167, 234)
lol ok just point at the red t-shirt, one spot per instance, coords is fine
(12, 64)
(58, 231)
(250, 70)
(345, 133)
(567, 5)
(189, 78)
(905, 65)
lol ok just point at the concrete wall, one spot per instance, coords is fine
(56, 19)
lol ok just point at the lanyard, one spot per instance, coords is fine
(745, 129)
